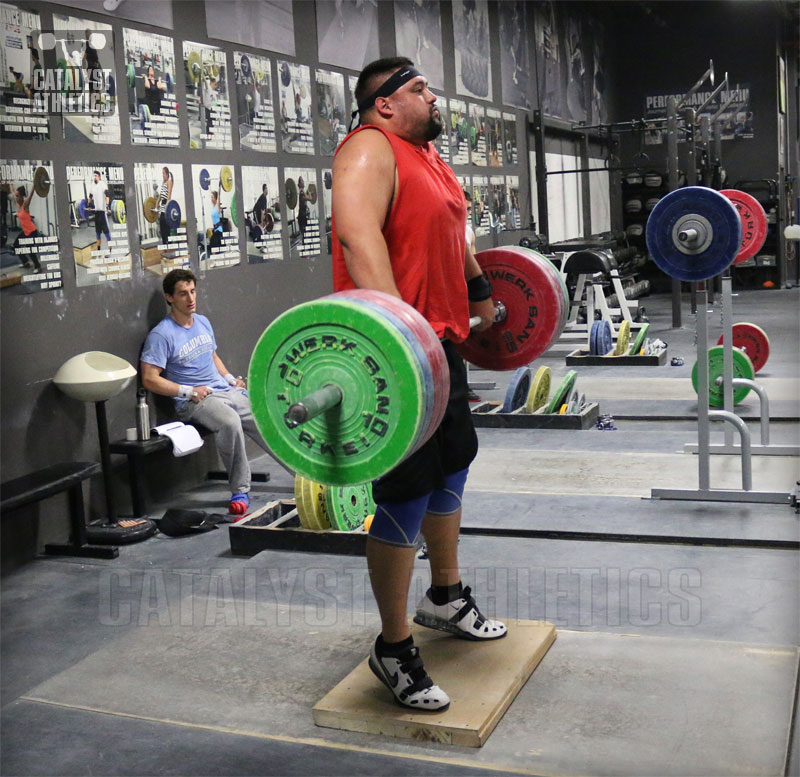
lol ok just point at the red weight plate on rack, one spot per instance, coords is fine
(754, 223)
(753, 341)
(532, 298)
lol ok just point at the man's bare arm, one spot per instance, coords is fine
(223, 370)
(152, 381)
(363, 186)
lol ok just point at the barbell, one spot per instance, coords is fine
(225, 179)
(41, 181)
(695, 233)
(172, 213)
(347, 386)
(116, 209)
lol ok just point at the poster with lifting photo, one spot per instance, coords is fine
(100, 244)
(84, 53)
(477, 134)
(513, 215)
(161, 216)
(418, 36)
(302, 211)
(327, 200)
(22, 116)
(515, 66)
(497, 202)
(494, 137)
(216, 215)
(481, 221)
(472, 49)
(29, 250)
(262, 214)
(510, 138)
(294, 85)
(331, 120)
(459, 133)
(207, 103)
(150, 82)
(254, 105)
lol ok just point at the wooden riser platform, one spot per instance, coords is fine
(481, 678)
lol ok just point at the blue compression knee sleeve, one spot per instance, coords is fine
(447, 500)
(398, 523)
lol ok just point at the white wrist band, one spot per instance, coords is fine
(231, 380)
(185, 392)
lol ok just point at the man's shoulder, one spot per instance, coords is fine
(163, 327)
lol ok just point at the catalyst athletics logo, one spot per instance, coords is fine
(78, 84)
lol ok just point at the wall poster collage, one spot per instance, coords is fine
(194, 215)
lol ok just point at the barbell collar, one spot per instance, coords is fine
(316, 403)
(500, 313)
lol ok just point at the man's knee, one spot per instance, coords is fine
(399, 523)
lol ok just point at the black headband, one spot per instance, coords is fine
(389, 86)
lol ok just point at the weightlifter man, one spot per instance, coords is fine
(398, 213)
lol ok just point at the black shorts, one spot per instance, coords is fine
(451, 448)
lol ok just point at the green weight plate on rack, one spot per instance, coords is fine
(742, 368)
(562, 392)
(131, 75)
(337, 341)
(348, 506)
(539, 391)
(639, 341)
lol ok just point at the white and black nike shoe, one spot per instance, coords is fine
(460, 617)
(406, 678)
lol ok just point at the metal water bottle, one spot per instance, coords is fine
(142, 415)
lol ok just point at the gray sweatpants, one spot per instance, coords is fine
(229, 416)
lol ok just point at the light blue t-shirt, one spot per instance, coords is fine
(186, 356)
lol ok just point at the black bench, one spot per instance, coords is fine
(47, 482)
(136, 450)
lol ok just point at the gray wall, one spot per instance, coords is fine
(667, 46)
(40, 425)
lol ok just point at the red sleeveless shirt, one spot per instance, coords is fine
(424, 233)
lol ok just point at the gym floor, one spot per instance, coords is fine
(678, 628)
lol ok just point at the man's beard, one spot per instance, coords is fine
(433, 127)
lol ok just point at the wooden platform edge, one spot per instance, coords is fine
(427, 727)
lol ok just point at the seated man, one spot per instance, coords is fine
(180, 360)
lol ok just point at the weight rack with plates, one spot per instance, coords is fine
(694, 234)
